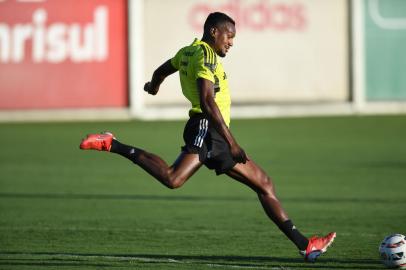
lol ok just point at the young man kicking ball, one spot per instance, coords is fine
(208, 139)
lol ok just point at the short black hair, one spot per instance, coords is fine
(215, 19)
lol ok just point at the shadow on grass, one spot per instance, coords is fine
(138, 197)
(127, 260)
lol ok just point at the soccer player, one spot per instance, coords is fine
(208, 139)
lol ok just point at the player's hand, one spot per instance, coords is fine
(238, 154)
(148, 88)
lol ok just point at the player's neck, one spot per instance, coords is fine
(208, 40)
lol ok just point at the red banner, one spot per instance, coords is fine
(63, 54)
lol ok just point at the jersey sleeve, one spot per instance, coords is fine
(176, 59)
(204, 64)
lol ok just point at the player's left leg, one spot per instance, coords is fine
(253, 176)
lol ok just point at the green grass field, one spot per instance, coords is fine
(63, 208)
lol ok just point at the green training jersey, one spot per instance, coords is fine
(198, 60)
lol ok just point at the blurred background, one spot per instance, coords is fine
(87, 60)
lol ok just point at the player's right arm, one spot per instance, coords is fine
(159, 75)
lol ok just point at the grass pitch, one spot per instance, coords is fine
(62, 208)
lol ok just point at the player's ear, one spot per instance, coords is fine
(213, 32)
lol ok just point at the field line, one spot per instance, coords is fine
(143, 259)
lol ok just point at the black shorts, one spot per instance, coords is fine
(201, 138)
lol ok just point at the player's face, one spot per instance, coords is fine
(223, 38)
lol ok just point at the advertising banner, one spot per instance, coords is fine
(385, 41)
(284, 51)
(63, 54)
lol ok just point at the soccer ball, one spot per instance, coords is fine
(393, 251)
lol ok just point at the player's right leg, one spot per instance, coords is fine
(171, 176)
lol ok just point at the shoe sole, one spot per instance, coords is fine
(312, 257)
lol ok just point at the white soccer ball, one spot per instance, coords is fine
(393, 251)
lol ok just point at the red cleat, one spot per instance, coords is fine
(317, 246)
(100, 142)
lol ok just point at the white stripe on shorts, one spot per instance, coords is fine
(203, 126)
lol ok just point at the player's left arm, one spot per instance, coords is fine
(211, 110)
(159, 75)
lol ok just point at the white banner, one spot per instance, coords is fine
(284, 51)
